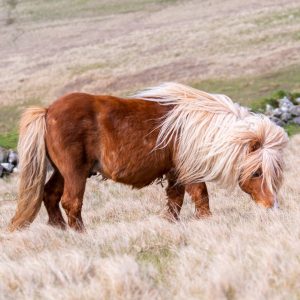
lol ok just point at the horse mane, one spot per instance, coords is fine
(216, 139)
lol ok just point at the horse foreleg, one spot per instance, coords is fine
(175, 193)
(199, 195)
(72, 199)
(52, 195)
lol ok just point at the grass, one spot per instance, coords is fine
(158, 257)
(9, 140)
(130, 252)
(9, 119)
(248, 89)
(289, 16)
(38, 11)
(80, 69)
(292, 129)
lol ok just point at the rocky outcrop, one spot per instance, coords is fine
(8, 161)
(287, 112)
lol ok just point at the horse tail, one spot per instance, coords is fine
(32, 165)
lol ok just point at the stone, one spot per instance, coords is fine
(277, 121)
(285, 101)
(269, 109)
(285, 104)
(295, 111)
(296, 120)
(286, 116)
(3, 155)
(297, 100)
(1, 171)
(7, 167)
(13, 157)
(277, 112)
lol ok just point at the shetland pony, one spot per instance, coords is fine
(188, 136)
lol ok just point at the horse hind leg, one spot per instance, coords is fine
(52, 195)
(175, 193)
(72, 198)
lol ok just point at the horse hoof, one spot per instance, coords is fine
(59, 225)
(203, 214)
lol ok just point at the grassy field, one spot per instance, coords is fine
(245, 49)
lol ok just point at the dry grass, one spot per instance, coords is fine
(130, 252)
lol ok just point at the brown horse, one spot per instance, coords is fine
(189, 136)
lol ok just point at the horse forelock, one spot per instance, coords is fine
(213, 136)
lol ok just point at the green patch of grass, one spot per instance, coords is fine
(289, 16)
(158, 257)
(9, 140)
(247, 89)
(34, 10)
(80, 69)
(292, 129)
(9, 119)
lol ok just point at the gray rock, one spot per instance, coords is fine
(296, 120)
(295, 111)
(13, 157)
(269, 109)
(277, 121)
(7, 167)
(286, 116)
(277, 112)
(285, 101)
(3, 155)
(1, 171)
(297, 100)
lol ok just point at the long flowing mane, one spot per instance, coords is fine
(216, 139)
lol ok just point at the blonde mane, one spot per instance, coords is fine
(214, 137)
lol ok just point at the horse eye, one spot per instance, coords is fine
(258, 173)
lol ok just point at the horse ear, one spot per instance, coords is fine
(254, 145)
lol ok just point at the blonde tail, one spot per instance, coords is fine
(32, 165)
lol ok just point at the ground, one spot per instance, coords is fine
(246, 49)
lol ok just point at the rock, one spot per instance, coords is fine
(297, 100)
(7, 167)
(277, 121)
(295, 111)
(3, 155)
(269, 109)
(277, 112)
(285, 102)
(286, 116)
(296, 120)
(1, 171)
(13, 157)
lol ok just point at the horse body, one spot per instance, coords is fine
(115, 135)
(188, 135)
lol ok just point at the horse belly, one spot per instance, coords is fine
(137, 167)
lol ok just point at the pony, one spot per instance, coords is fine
(185, 135)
